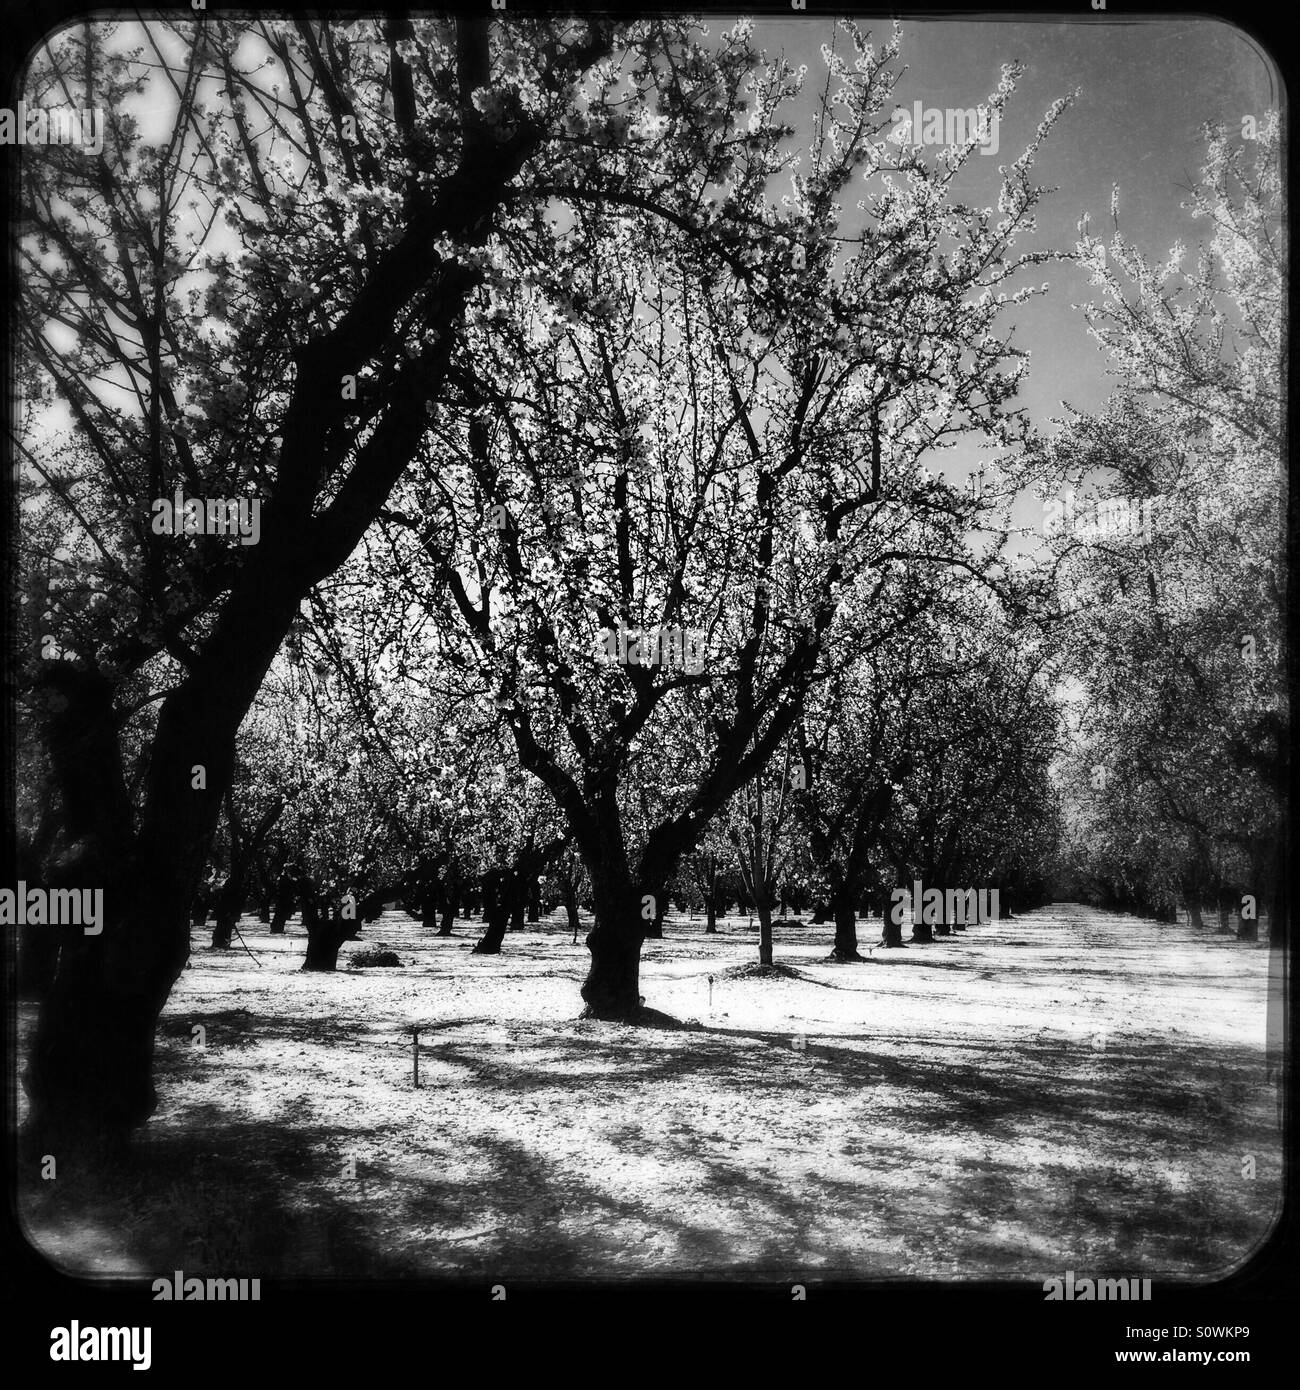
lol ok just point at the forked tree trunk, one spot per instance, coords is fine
(326, 933)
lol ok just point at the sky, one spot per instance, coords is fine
(1146, 89)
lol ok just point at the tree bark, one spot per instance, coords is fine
(569, 897)
(612, 988)
(845, 947)
(326, 933)
(90, 1070)
(921, 931)
(284, 901)
(515, 890)
(449, 903)
(496, 912)
(892, 932)
(429, 906)
(227, 916)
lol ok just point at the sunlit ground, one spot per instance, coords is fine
(1068, 1090)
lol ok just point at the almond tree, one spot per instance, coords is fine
(654, 446)
(264, 302)
(758, 823)
(1176, 627)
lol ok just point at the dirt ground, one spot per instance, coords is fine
(1068, 1090)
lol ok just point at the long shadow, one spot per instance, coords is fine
(216, 1195)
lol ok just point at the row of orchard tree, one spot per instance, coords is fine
(363, 779)
(516, 340)
(1178, 647)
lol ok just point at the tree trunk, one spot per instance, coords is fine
(710, 917)
(429, 906)
(846, 928)
(764, 906)
(223, 929)
(819, 914)
(534, 899)
(284, 899)
(569, 897)
(612, 989)
(1194, 917)
(496, 912)
(846, 934)
(90, 1069)
(448, 906)
(326, 933)
(921, 931)
(942, 927)
(38, 957)
(891, 931)
(654, 929)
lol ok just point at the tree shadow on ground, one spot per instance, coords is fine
(921, 1168)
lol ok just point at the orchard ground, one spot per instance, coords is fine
(1071, 1089)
